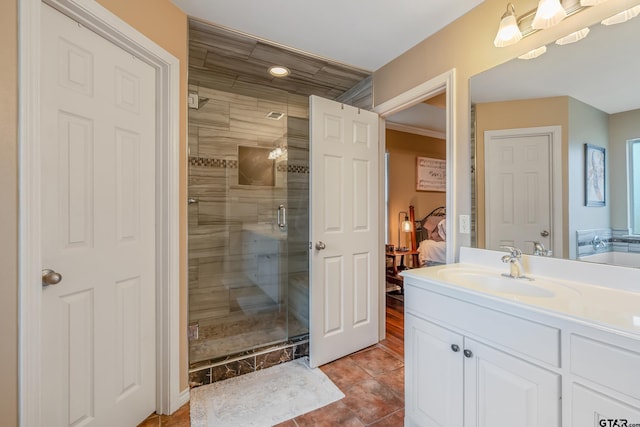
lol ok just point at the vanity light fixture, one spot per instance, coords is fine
(534, 53)
(573, 37)
(508, 32)
(549, 13)
(623, 16)
(279, 71)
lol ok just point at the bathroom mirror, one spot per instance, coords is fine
(592, 83)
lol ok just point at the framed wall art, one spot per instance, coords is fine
(431, 174)
(594, 175)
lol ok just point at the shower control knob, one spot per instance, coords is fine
(320, 246)
(50, 277)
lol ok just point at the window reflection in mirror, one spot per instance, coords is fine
(634, 185)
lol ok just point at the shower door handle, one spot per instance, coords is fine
(282, 217)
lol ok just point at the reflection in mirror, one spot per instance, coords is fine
(532, 121)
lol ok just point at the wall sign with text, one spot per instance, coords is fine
(431, 174)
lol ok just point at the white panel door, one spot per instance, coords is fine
(98, 222)
(518, 191)
(501, 390)
(344, 225)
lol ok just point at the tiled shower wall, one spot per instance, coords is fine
(236, 251)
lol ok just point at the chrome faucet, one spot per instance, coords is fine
(597, 242)
(539, 250)
(515, 265)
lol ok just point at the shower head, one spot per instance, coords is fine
(202, 101)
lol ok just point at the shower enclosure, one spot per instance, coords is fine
(248, 192)
(248, 223)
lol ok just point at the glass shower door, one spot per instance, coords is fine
(245, 222)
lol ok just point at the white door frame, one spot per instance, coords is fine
(554, 133)
(100, 20)
(445, 82)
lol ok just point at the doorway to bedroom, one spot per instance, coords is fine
(415, 190)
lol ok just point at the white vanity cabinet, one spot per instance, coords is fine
(475, 357)
(455, 380)
(603, 379)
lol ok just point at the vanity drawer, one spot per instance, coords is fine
(606, 364)
(530, 339)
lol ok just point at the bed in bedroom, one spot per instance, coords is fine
(431, 238)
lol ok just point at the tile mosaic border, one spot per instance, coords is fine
(209, 162)
(207, 372)
(213, 163)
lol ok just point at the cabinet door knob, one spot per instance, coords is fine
(468, 353)
(455, 348)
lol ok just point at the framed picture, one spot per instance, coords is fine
(594, 175)
(431, 174)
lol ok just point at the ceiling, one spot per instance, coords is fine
(224, 59)
(365, 34)
(601, 70)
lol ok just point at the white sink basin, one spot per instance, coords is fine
(498, 283)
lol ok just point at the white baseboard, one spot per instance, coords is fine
(183, 397)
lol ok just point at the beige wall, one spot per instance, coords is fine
(466, 45)
(8, 212)
(512, 115)
(403, 148)
(166, 25)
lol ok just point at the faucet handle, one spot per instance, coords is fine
(515, 252)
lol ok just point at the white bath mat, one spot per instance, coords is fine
(263, 398)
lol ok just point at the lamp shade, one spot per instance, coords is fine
(591, 2)
(508, 32)
(623, 16)
(534, 53)
(573, 37)
(549, 13)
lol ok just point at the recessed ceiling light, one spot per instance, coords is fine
(279, 71)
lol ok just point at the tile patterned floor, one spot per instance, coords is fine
(371, 379)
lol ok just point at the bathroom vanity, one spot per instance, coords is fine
(482, 349)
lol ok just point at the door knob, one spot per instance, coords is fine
(50, 277)
(468, 353)
(320, 246)
(455, 348)
(544, 233)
